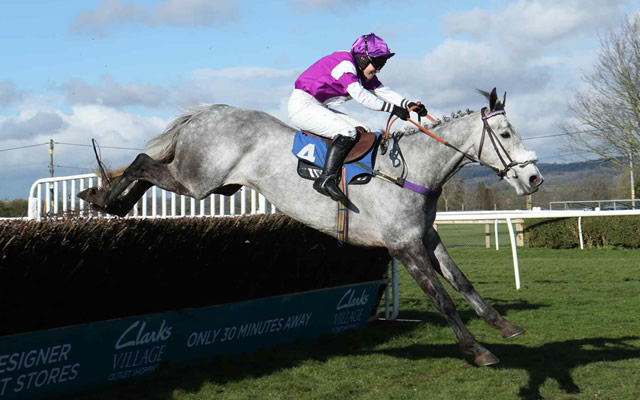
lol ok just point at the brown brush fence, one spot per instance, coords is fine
(59, 273)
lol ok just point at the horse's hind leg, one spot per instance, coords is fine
(147, 172)
(122, 205)
(443, 263)
(417, 263)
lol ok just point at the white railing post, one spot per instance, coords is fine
(254, 201)
(145, 205)
(73, 195)
(154, 202)
(47, 200)
(580, 232)
(262, 208)
(232, 204)
(81, 205)
(243, 200)
(514, 252)
(64, 198)
(163, 202)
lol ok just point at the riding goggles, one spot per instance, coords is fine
(378, 62)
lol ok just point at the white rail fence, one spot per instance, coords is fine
(57, 197)
(511, 216)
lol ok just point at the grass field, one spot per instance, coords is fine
(472, 235)
(581, 309)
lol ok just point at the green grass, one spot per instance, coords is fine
(472, 235)
(581, 310)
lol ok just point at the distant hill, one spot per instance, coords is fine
(558, 178)
(552, 172)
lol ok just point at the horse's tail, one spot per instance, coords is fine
(163, 147)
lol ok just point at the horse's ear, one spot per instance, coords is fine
(500, 105)
(482, 92)
(493, 99)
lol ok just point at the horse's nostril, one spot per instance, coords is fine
(535, 180)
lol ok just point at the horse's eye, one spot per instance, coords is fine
(505, 135)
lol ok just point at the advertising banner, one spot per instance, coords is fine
(39, 364)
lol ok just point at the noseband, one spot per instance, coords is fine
(498, 147)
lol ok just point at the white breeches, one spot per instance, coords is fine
(309, 114)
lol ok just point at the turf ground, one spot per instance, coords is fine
(581, 309)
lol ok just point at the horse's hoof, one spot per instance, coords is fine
(486, 358)
(92, 196)
(511, 331)
(117, 211)
(88, 194)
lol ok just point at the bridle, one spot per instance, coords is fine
(507, 162)
(498, 147)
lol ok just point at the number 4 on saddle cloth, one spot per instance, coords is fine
(311, 151)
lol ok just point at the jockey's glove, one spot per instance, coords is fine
(400, 112)
(420, 109)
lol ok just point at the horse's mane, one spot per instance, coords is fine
(439, 123)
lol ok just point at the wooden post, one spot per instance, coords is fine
(487, 236)
(519, 234)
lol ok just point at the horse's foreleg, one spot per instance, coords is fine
(443, 263)
(418, 264)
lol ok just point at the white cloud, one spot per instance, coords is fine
(245, 73)
(109, 126)
(169, 12)
(532, 49)
(73, 153)
(108, 13)
(247, 87)
(28, 126)
(252, 88)
(193, 12)
(9, 94)
(330, 5)
(111, 93)
(535, 25)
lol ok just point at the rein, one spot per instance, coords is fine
(486, 131)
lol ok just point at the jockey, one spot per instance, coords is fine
(332, 80)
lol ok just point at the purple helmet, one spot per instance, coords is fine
(371, 46)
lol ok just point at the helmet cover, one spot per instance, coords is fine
(371, 46)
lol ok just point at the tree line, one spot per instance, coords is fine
(14, 208)
(458, 195)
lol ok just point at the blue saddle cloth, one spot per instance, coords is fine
(314, 151)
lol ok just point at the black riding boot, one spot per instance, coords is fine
(327, 182)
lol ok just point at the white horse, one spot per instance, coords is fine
(218, 149)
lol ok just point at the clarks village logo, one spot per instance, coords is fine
(132, 337)
(350, 308)
(139, 349)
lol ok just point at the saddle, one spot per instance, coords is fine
(310, 149)
(365, 142)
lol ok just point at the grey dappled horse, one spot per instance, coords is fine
(218, 149)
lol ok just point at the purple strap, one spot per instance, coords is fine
(421, 189)
(491, 114)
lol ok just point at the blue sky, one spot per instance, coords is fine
(119, 71)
